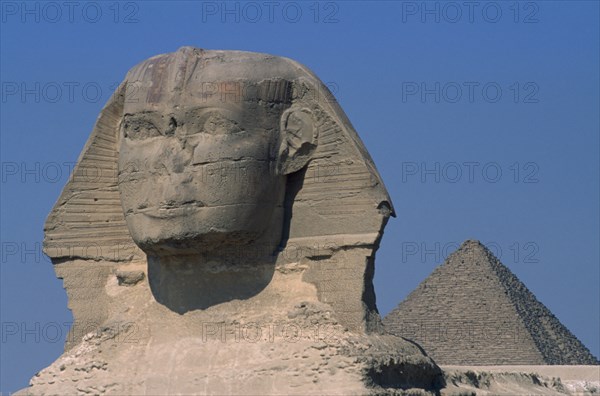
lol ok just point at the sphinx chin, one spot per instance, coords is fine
(213, 243)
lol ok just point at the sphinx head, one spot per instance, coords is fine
(205, 149)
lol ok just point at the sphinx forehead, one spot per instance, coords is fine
(190, 75)
(217, 63)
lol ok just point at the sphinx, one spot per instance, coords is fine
(227, 242)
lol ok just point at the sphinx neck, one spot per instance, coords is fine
(189, 282)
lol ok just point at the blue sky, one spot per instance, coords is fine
(483, 120)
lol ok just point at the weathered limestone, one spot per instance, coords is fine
(227, 243)
(522, 380)
(472, 310)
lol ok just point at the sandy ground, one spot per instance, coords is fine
(509, 380)
(566, 373)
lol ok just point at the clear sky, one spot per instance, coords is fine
(482, 118)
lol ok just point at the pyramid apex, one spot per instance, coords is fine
(473, 246)
(471, 243)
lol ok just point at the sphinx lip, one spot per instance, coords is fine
(169, 210)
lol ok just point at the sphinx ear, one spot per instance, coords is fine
(299, 139)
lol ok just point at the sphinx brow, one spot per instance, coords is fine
(229, 113)
(142, 113)
(146, 116)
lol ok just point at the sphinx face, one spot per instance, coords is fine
(196, 177)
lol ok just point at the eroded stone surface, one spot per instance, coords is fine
(522, 380)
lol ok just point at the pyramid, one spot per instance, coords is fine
(472, 310)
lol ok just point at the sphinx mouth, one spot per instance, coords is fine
(193, 203)
(169, 209)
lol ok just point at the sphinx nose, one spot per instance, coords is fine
(173, 160)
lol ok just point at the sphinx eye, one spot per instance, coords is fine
(139, 129)
(216, 124)
(209, 122)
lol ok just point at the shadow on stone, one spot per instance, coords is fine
(186, 286)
